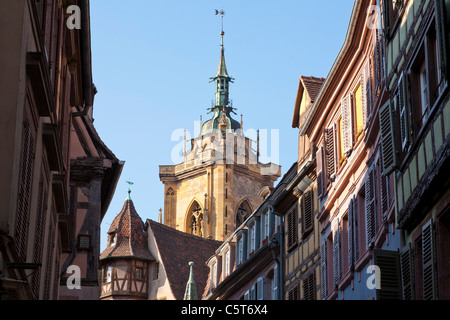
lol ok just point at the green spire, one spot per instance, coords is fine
(191, 288)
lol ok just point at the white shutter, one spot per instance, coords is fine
(320, 171)
(370, 206)
(337, 272)
(260, 288)
(275, 283)
(347, 124)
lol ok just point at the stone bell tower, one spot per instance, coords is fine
(221, 181)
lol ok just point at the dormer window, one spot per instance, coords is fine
(112, 239)
(227, 263)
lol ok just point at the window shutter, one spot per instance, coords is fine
(330, 152)
(307, 212)
(390, 282)
(351, 241)
(407, 273)
(347, 124)
(247, 295)
(355, 230)
(337, 253)
(323, 269)
(443, 35)
(320, 173)
(24, 194)
(309, 287)
(384, 192)
(293, 294)
(428, 262)
(366, 93)
(377, 62)
(404, 111)
(370, 206)
(292, 228)
(388, 146)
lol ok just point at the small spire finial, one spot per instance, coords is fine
(191, 288)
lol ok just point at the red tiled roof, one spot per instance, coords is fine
(131, 238)
(177, 249)
(310, 85)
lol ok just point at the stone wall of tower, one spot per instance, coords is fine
(226, 186)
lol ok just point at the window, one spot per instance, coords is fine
(424, 80)
(266, 225)
(156, 271)
(253, 238)
(107, 274)
(240, 250)
(112, 239)
(260, 289)
(391, 12)
(214, 275)
(139, 274)
(84, 242)
(227, 263)
(358, 111)
(275, 284)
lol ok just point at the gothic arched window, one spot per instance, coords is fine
(195, 220)
(244, 211)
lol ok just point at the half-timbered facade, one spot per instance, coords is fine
(415, 127)
(125, 262)
(299, 206)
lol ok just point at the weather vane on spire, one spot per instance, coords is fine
(222, 13)
(129, 190)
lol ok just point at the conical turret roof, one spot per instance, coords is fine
(130, 238)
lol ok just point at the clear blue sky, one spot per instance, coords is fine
(152, 61)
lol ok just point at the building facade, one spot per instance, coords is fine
(221, 181)
(151, 261)
(57, 176)
(248, 265)
(299, 207)
(356, 206)
(415, 127)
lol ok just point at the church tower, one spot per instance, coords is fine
(221, 181)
